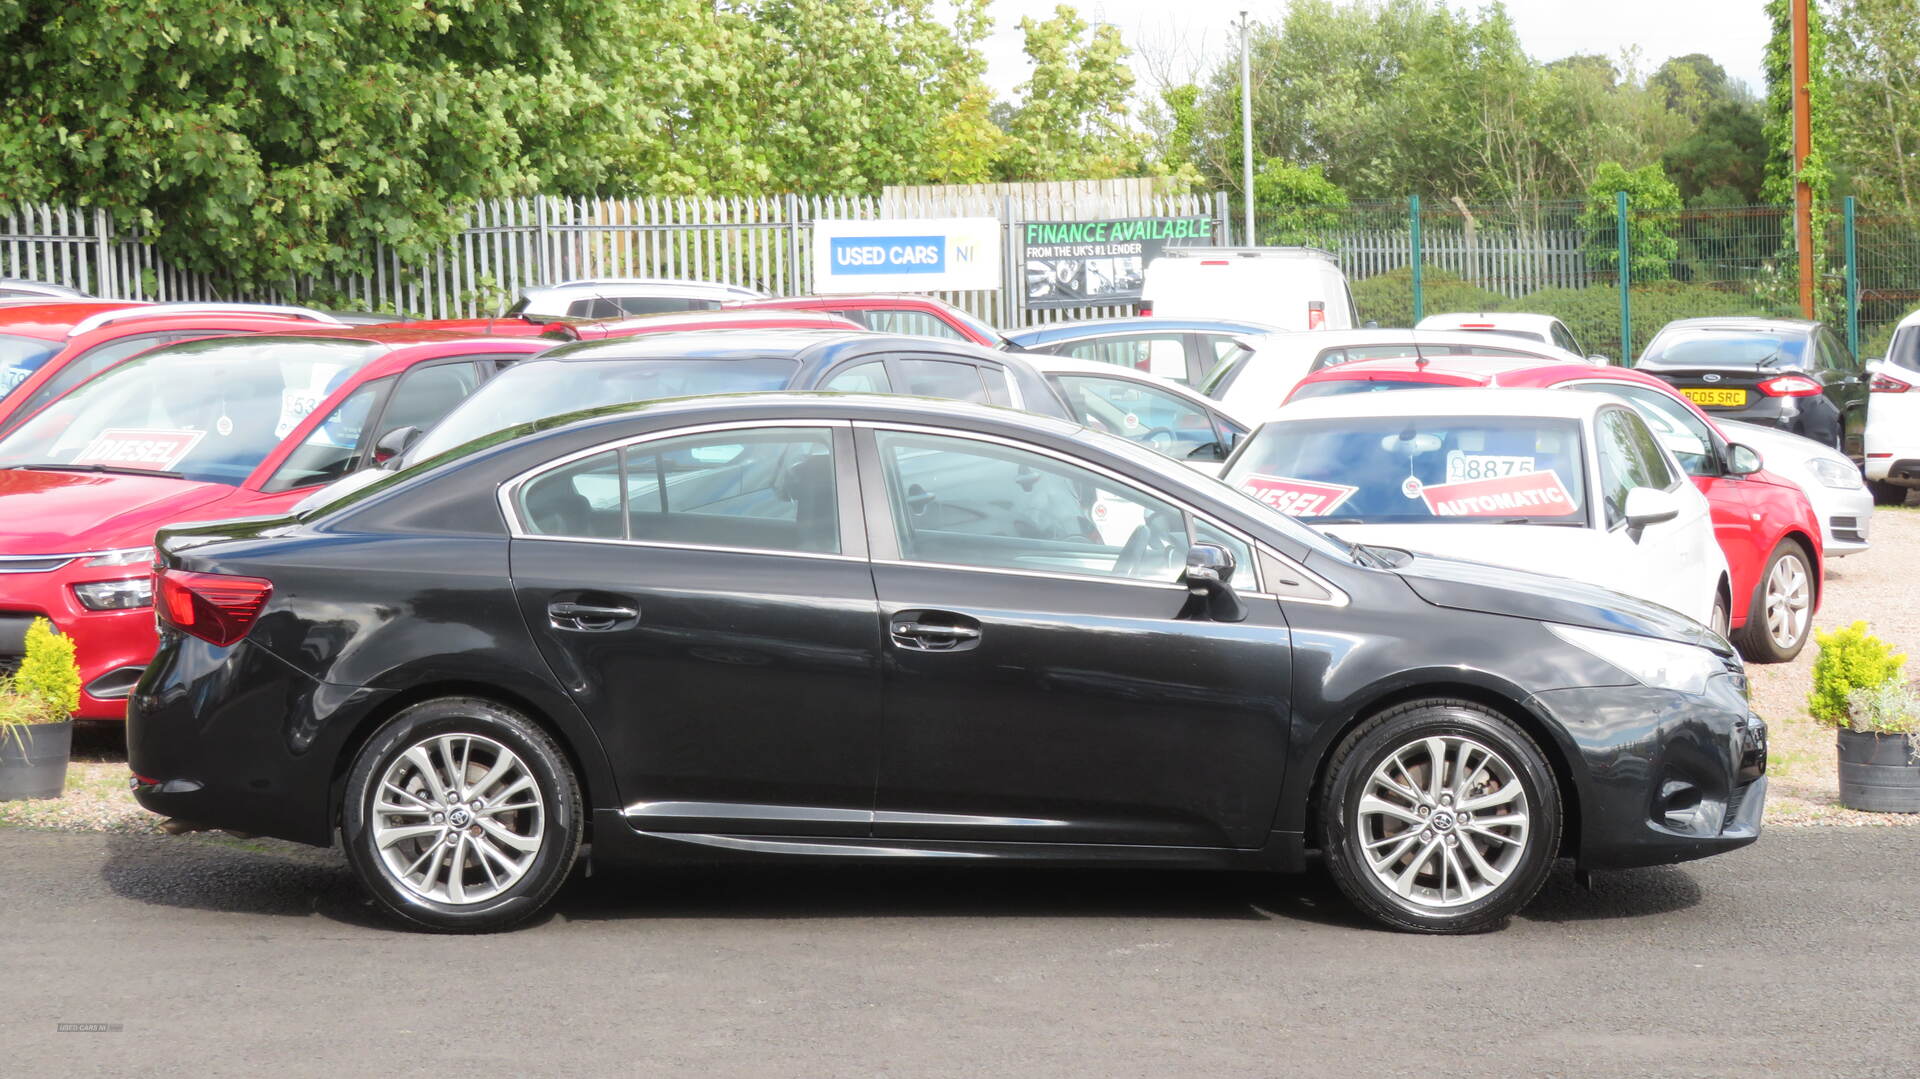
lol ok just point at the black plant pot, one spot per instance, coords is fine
(1877, 773)
(33, 760)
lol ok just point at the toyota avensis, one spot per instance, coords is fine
(819, 626)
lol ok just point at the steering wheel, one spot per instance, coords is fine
(1150, 547)
(1167, 433)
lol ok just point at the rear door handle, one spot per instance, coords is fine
(589, 617)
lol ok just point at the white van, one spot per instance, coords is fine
(1294, 288)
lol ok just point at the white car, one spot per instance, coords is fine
(17, 288)
(1554, 481)
(1528, 327)
(616, 297)
(1257, 379)
(1155, 412)
(1829, 478)
(1295, 288)
(1893, 416)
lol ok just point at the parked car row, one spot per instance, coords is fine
(666, 583)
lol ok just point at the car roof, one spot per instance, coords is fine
(1062, 331)
(55, 320)
(851, 299)
(723, 319)
(1742, 323)
(658, 286)
(1551, 404)
(1500, 319)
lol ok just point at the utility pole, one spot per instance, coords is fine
(1802, 146)
(1246, 128)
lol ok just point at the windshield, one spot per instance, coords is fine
(1417, 470)
(207, 410)
(538, 389)
(21, 357)
(1726, 348)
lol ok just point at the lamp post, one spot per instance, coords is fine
(1246, 129)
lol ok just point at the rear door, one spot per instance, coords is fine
(1845, 388)
(706, 599)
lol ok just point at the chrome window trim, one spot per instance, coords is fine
(505, 495)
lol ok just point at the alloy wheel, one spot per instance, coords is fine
(1443, 821)
(457, 819)
(1788, 599)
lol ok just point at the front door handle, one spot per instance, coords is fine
(934, 631)
(590, 617)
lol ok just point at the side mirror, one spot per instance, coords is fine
(1600, 361)
(1208, 578)
(1371, 324)
(1743, 460)
(1647, 506)
(394, 443)
(1208, 451)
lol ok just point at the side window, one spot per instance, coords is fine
(1684, 434)
(1563, 338)
(916, 323)
(770, 490)
(332, 449)
(660, 305)
(1653, 461)
(580, 500)
(999, 390)
(1245, 574)
(942, 378)
(426, 394)
(1154, 418)
(1621, 466)
(1159, 354)
(986, 506)
(870, 377)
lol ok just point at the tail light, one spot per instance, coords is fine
(1145, 308)
(1216, 262)
(1316, 314)
(1888, 384)
(214, 607)
(1790, 386)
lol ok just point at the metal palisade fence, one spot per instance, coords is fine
(764, 243)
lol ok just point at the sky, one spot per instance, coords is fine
(1733, 32)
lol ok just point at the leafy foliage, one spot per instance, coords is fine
(1294, 205)
(1850, 659)
(46, 688)
(1891, 707)
(1874, 51)
(1072, 119)
(1651, 244)
(1723, 162)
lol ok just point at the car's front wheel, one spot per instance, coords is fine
(1439, 816)
(1779, 623)
(461, 816)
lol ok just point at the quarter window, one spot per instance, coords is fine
(770, 490)
(1154, 418)
(1684, 434)
(942, 378)
(985, 506)
(868, 377)
(1625, 463)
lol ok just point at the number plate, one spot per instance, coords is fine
(1715, 398)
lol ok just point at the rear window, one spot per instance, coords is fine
(1342, 387)
(538, 389)
(20, 357)
(1904, 351)
(1726, 348)
(1417, 470)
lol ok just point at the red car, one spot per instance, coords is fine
(47, 349)
(201, 430)
(1766, 527)
(921, 316)
(568, 329)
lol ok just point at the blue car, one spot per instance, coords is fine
(1182, 349)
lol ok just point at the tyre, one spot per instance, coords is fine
(1722, 618)
(461, 816)
(1887, 494)
(1439, 816)
(1780, 619)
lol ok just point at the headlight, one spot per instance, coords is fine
(1659, 664)
(1832, 473)
(116, 595)
(126, 556)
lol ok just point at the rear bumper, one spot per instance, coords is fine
(1902, 471)
(1668, 777)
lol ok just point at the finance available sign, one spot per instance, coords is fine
(906, 255)
(1076, 263)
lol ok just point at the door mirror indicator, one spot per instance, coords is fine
(394, 443)
(1743, 460)
(1210, 593)
(1647, 506)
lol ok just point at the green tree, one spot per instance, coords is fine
(1875, 54)
(1295, 205)
(1071, 122)
(1691, 84)
(1724, 161)
(1651, 198)
(1778, 109)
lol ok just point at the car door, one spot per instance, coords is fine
(1663, 561)
(1158, 419)
(705, 598)
(1846, 389)
(1040, 684)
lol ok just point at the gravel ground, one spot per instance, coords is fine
(1803, 789)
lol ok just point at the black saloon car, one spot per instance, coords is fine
(1786, 373)
(819, 626)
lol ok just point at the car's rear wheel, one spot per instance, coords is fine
(1439, 816)
(1781, 617)
(1887, 494)
(461, 816)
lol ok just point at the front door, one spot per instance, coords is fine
(1667, 561)
(705, 601)
(1039, 684)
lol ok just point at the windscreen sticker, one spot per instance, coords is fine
(1297, 498)
(134, 447)
(1525, 494)
(1484, 466)
(296, 402)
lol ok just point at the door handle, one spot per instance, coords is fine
(922, 630)
(952, 634)
(589, 617)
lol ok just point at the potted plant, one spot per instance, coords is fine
(1857, 690)
(36, 716)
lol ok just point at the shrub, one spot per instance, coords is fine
(1850, 659)
(1888, 708)
(46, 688)
(1387, 298)
(1651, 198)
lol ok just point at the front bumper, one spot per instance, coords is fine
(1667, 776)
(1846, 519)
(111, 647)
